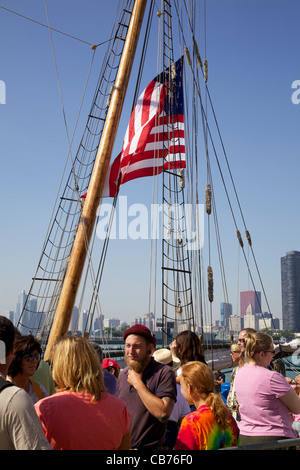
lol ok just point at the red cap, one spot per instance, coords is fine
(110, 363)
(142, 331)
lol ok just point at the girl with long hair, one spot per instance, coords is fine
(187, 347)
(211, 426)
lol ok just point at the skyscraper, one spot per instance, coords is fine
(252, 298)
(290, 291)
(226, 311)
(20, 305)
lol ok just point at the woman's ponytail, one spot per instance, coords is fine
(201, 380)
(215, 402)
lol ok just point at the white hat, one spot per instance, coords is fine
(164, 356)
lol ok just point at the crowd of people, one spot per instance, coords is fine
(164, 399)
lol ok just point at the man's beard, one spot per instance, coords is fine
(137, 366)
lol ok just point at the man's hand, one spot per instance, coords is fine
(161, 408)
(134, 378)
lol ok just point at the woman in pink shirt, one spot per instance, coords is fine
(265, 398)
(296, 418)
(82, 415)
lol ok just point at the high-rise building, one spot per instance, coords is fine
(10, 314)
(226, 311)
(252, 298)
(20, 305)
(290, 291)
(98, 322)
(236, 323)
(272, 323)
(251, 319)
(111, 323)
(83, 319)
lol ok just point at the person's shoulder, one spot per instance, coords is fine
(14, 390)
(109, 377)
(164, 376)
(278, 378)
(51, 400)
(246, 369)
(17, 399)
(123, 372)
(163, 371)
(109, 398)
(122, 382)
(200, 414)
(112, 401)
(158, 366)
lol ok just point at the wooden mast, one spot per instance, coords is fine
(85, 229)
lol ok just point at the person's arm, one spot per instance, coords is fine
(292, 401)
(220, 380)
(160, 408)
(26, 431)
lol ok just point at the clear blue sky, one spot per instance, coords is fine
(253, 61)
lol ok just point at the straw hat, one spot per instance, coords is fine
(164, 356)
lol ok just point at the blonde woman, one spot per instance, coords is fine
(211, 426)
(82, 415)
(237, 358)
(264, 396)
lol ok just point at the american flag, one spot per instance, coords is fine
(154, 140)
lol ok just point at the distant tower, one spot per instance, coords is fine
(226, 312)
(290, 291)
(251, 319)
(20, 305)
(250, 297)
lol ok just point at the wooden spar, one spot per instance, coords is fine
(85, 229)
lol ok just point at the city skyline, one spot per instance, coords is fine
(79, 318)
(256, 112)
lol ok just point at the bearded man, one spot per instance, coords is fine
(148, 388)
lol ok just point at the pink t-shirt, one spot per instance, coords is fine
(296, 418)
(258, 391)
(71, 421)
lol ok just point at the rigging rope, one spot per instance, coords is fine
(172, 190)
(196, 51)
(230, 205)
(61, 181)
(52, 29)
(88, 150)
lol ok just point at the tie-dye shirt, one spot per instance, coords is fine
(199, 431)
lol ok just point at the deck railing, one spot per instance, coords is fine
(279, 444)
